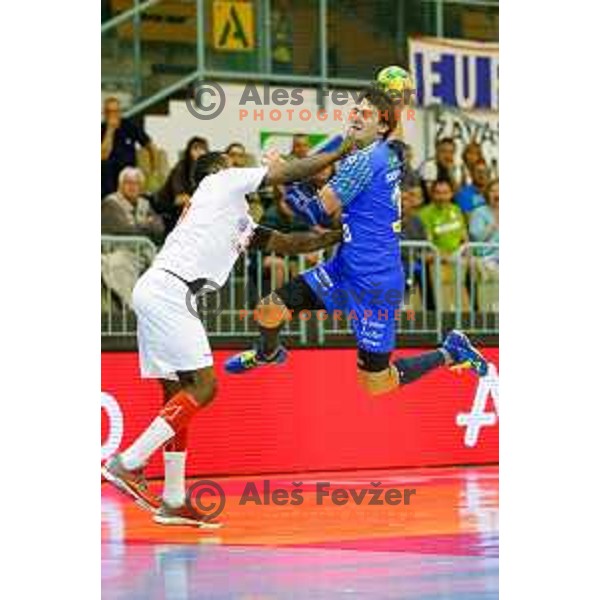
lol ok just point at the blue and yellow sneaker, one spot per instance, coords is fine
(463, 353)
(250, 359)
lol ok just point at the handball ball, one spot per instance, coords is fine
(394, 79)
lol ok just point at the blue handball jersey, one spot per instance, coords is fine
(367, 184)
(365, 279)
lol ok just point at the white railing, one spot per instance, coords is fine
(440, 293)
(477, 304)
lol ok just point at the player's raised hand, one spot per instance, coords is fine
(272, 157)
(295, 169)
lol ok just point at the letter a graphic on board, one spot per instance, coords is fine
(478, 418)
(233, 25)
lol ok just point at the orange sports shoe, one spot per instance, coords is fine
(183, 515)
(131, 482)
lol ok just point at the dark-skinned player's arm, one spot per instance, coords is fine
(270, 240)
(286, 171)
(354, 174)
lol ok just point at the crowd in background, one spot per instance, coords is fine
(448, 200)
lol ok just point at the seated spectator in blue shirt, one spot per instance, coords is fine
(484, 221)
(470, 196)
(119, 139)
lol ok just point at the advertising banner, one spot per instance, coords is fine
(456, 73)
(464, 128)
(311, 415)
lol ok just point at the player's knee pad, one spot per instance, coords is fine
(271, 311)
(373, 361)
(375, 373)
(376, 383)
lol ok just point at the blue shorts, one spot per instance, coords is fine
(372, 305)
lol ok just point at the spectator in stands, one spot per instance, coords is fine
(175, 194)
(441, 168)
(413, 230)
(300, 146)
(444, 222)
(412, 226)
(484, 221)
(471, 155)
(471, 195)
(238, 157)
(127, 212)
(411, 175)
(237, 154)
(119, 139)
(447, 231)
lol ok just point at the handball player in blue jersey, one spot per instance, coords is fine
(364, 280)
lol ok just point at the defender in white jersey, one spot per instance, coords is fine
(172, 342)
(204, 246)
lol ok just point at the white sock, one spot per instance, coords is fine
(174, 486)
(146, 444)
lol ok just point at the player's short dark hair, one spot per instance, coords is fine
(384, 104)
(207, 165)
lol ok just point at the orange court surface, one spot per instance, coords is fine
(443, 544)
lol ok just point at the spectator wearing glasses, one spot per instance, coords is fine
(128, 212)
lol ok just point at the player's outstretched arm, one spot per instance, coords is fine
(282, 171)
(293, 243)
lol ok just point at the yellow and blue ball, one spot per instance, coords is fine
(394, 79)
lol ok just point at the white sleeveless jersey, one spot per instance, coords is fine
(215, 228)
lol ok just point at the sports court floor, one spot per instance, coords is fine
(443, 545)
